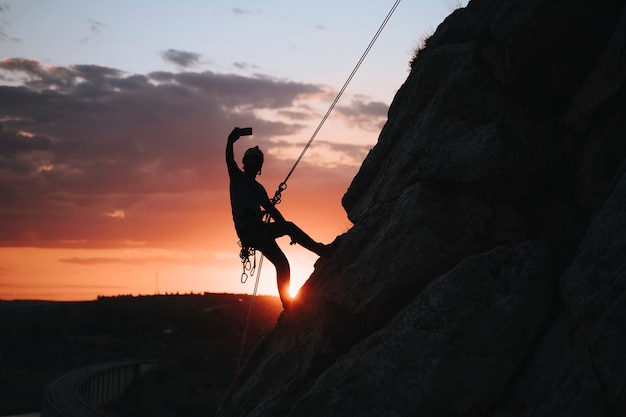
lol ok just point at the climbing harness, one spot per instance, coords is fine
(246, 252)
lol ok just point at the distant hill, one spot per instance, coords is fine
(42, 340)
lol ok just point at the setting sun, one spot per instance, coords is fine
(293, 290)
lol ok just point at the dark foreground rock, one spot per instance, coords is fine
(485, 271)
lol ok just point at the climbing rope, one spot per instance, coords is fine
(283, 185)
(247, 326)
(245, 254)
(247, 269)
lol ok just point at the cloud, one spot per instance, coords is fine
(95, 26)
(95, 29)
(37, 77)
(327, 154)
(366, 115)
(240, 11)
(115, 214)
(147, 260)
(4, 36)
(297, 114)
(48, 286)
(146, 257)
(84, 147)
(183, 59)
(245, 66)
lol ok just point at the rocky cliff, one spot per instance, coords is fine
(486, 268)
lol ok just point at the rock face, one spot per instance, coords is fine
(485, 273)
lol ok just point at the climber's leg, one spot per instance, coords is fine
(297, 235)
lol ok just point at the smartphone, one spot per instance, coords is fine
(245, 131)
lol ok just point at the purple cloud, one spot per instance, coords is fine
(183, 59)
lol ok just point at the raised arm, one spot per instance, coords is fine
(230, 153)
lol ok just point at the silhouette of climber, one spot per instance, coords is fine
(247, 197)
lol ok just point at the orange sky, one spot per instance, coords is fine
(130, 220)
(113, 127)
(115, 183)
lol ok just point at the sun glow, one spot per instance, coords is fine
(293, 290)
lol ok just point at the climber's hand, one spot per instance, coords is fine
(234, 135)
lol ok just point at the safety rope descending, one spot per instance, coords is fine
(247, 326)
(247, 252)
(283, 185)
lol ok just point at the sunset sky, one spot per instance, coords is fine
(113, 123)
